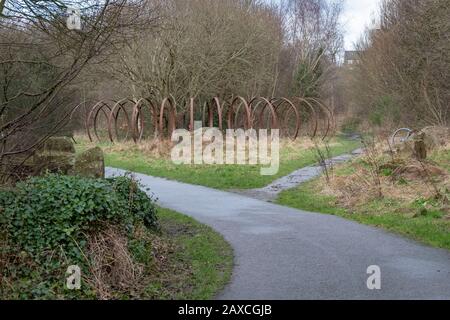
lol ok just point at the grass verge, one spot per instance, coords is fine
(184, 259)
(293, 155)
(201, 262)
(419, 219)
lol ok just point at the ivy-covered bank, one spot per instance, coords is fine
(125, 246)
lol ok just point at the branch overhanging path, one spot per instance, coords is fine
(284, 253)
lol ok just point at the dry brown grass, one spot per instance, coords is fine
(152, 148)
(156, 149)
(113, 269)
(397, 177)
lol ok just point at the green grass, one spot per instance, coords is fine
(220, 176)
(207, 256)
(426, 226)
(183, 260)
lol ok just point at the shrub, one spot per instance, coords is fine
(402, 75)
(54, 211)
(384, 108)
(350, 125)
(136, 200)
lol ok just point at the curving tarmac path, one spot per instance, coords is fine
(283, 253)
(294, 179)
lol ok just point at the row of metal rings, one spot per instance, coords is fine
(287, 115)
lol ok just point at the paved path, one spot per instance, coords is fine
(283, 253)
(271, 192)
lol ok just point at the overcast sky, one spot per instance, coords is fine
(357, 15)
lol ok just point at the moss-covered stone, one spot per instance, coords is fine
(58, 144)
(57, 155)
(90, 163)
(55, 162)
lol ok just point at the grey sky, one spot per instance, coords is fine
(357, 15)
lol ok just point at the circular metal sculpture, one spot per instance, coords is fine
(235, 120)
(131, 119)
(114, 119)
(138, 118)
(264, 115)
(287, 112)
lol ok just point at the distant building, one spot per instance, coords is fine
(351, 57)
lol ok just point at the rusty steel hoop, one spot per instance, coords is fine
(191, 115)
(266, 103)
(215, 101)
(93, 116)
(114, 116)
(171, 117)
(137, 119)
(232, 113)
(315, 121)
(75, 110)
(285, 114)
(329, 117)
(278, 103)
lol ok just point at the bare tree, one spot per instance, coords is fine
(203, 48)
(40, 57)
(402, 78)
(206, 48)
(313, 39)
